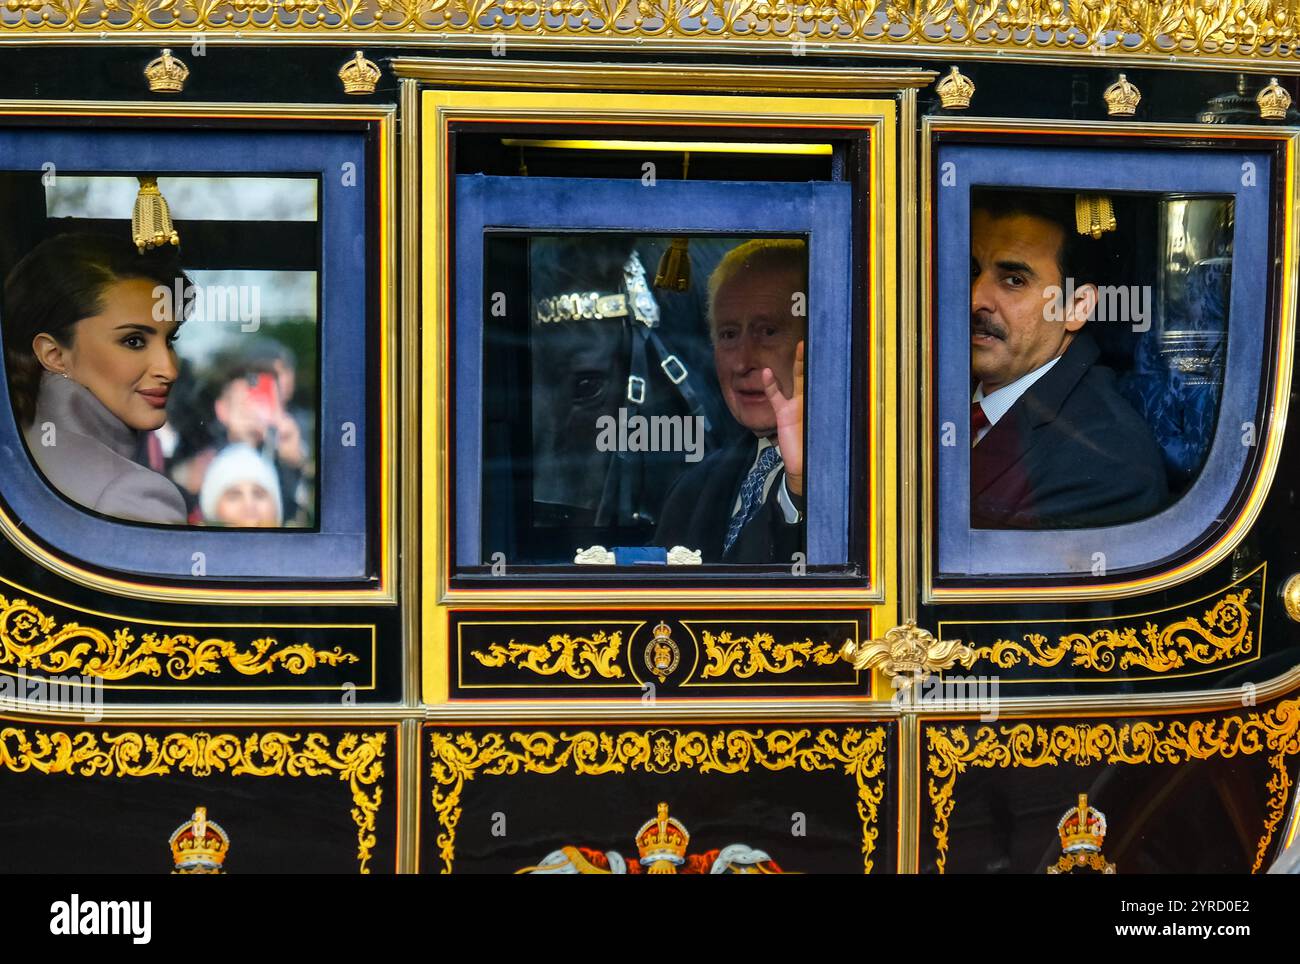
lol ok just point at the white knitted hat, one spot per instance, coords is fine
(233, 464)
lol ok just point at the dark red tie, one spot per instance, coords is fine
(978, 421)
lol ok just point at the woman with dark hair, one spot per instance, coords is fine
(88, 330)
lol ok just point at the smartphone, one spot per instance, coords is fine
(264, 395)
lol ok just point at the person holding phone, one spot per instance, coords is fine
(90, 360)
(243, 397)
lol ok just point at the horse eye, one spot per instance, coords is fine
(588, 386)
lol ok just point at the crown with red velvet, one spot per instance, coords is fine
(199, 846)
(1082, 828)
(662, 843)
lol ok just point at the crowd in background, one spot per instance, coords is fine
(235, 442)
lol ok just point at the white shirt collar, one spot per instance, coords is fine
(997, 403)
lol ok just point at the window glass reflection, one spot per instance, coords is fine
(658, 422)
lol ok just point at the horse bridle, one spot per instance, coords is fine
(636, 308)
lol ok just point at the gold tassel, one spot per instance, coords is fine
(151, 221)
(1093, 214)
(674, 273)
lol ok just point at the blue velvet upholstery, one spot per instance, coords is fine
(1178, 372)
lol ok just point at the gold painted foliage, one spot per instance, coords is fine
(747, 656)
(458, 758)
(29, 639)
(573, 656)
(953, 750)
(1233, 28)
(1223, 635)
(355, 758)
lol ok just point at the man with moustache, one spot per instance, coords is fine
(744, 504)
(1054, 445)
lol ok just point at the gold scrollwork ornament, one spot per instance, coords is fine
(747, 656)
(1244, 31)
(456, 758)
(355, 758)
(1222, 634)
(908, 652)
(576, 657)
(31, 640)
(957, 749)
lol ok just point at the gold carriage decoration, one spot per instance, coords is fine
(1216, 632)
(458, 758)
(355, 758)
(33, 640)
(1233, 31)
(954, 749)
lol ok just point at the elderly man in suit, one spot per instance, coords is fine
(744, 504)
(1054, 445)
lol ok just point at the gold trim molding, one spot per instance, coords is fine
(1236, 29)
(952, 750)
(31, 640)
(457, 758)
(355, 758)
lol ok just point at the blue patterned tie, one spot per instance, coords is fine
(751, 494)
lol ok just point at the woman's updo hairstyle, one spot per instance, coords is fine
(60, 282)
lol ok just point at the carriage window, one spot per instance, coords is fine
(179, 384)
(644, 398)
(1100, 352)
(1098, 335)
(652, 379)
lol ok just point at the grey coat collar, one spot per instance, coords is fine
(74, 408)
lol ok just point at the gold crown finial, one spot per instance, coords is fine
(955, 90)
(151, 220)
(166, 74)
(1122, 98)
(1273, 101)
(359, 75)
(1094, 214)
(199, 846)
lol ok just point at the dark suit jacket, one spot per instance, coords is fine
(1071, 453)
(697, 511)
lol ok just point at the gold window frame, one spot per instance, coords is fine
(442, 108)
(1153, 578)
(433, 105)
(382, 395)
